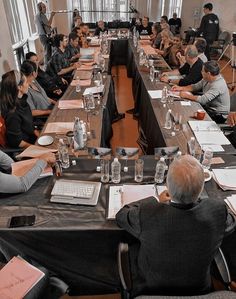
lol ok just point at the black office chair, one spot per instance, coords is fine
(126, 278)
(218, 46)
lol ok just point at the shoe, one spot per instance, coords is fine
(130, 111)
(118, 117)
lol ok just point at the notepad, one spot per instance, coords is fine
(225, 178)
(70, 104)
(59, 127)
(34, 151)
(125, 194)
(17, 278)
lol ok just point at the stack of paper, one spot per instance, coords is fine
(225, 178)
(208, 134)
(59, 127)
(94, 90)
(155, 94)
(70, 104)
(231, 203)
(22, 167)
(17, 278)
(123, 195)
(34, 151)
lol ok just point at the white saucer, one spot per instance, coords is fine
(45, 140)
(209, 173)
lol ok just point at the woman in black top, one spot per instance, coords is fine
(16, 111)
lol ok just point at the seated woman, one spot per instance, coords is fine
(16, 111)
(156, 37)
(166, 44)
(13, 184)
(40, 104)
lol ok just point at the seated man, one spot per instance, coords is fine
(53, 86)
(179, 239)
(101, 28)
(72, 49)
(176, 49)
(215, 98)
(145, 28)
(59, 64)
(175, 24)
(191, 69)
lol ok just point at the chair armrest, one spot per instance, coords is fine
(124, 266)
(222, 267)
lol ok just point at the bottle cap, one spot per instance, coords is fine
(126, 168)
(61, 140)
(179, 153)
(73, 162)
(192, 138)
(172, 133)
(116, 160)
(162, 159)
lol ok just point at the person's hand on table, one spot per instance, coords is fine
(164, 196)
(176, 88)
(231, 120)
(64, 81)
(164, 78)
(185, 94)
(50, 158)
(76, 65)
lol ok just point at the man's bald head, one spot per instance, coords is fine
(185, 180)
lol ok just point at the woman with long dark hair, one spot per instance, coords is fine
(16, 111)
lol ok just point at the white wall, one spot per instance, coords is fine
(6, 58)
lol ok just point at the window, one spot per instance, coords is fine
(20, 17)
(107, 10)
(175, 6)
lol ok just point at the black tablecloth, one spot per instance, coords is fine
(78, 243)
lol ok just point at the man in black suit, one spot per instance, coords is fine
(177, 239)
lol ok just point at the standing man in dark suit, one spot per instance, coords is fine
(177, 239)
(209, 27)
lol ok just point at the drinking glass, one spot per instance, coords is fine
(104, 171)
(207, 157)
(138, 170)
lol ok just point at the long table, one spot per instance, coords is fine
(78, 243)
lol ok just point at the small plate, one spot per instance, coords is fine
(45, 140)
(207, 175)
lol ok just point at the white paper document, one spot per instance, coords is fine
(231, 203)
(86, 51)
(155, 94)
(94, 90)
(212, 137)
(59, 127)
(225, 178)
(122, 195)
(203, 125)
(214, 147)
(185, 103)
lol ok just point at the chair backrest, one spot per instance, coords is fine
(3, 142)
(126, 278)
(224, 37)
(233, 102)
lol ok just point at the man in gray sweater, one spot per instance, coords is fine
(215, 98)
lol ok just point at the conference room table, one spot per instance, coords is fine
(79, 243)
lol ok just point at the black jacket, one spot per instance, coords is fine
(175, 240)
(209, 27)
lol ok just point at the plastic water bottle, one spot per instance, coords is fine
(168, 121)
(164, 94)
(178, 155)
(78, 135)
(152, 73)
(192, 145)
(77, 88)
(63, 154)
(85, 136)
(115, 171)
(160, 171)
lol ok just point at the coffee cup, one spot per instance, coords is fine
(200, 114)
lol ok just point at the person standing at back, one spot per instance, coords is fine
(44, 30)
(209, 27)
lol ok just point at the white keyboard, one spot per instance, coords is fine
(73, 189)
